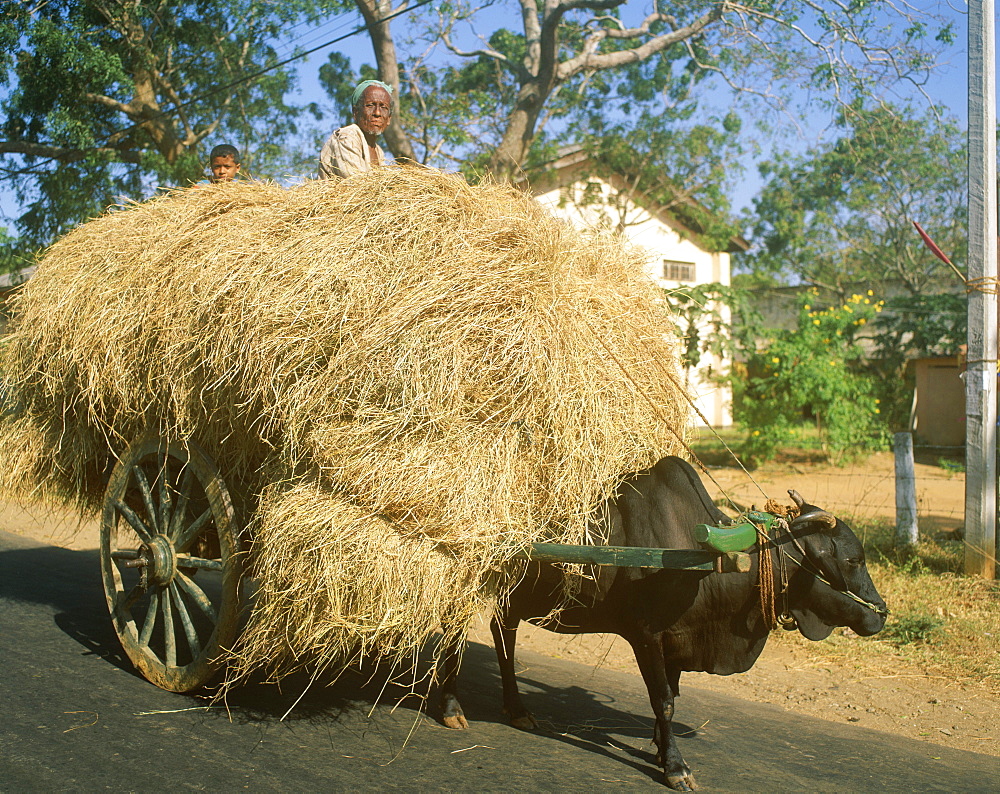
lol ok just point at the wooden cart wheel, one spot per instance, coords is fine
(170, 562)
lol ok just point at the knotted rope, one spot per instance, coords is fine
(765, 578)
(988, 285)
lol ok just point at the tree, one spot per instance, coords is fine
(703, 314)
(842, 214)
(105, 97)
(568, 55)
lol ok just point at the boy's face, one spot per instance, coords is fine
(224, 168)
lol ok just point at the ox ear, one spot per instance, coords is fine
(827, 522)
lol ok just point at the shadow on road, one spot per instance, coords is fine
(595, 725)
(69, 583)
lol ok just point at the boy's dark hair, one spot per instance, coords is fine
(225, 150)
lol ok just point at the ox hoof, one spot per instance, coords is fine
(452, 715)
(682, 782)
(456, 722)
(526, 722)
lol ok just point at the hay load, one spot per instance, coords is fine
(402, 376)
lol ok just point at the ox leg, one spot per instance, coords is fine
(451, 710)
(504, 639)
(662, 685)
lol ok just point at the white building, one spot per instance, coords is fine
(677, 257)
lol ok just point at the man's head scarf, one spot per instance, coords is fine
(360, 90)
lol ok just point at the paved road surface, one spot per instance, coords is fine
(74, 717)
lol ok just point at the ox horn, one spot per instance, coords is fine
(827, 520)
(797, 498)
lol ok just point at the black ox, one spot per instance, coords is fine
(678, 620)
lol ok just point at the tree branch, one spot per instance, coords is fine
(99, 99)
(589, 59)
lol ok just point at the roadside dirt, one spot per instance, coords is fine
(790, 674)
(904, 702)
(800, 676)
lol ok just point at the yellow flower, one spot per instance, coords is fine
(878, 410)
(775, 360)
(756, 432)
(869, 293)
(861, 321)
(807, 307)
(815, 322)
(849, 310)
(877, 401)
(867, 301)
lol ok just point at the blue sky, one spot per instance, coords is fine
(947, 86)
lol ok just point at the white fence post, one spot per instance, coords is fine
(906, 492)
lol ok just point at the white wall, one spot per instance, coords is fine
(663, 243)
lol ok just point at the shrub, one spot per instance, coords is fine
(815, 371)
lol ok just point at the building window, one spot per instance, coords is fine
(678, 271)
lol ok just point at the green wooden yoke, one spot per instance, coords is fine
(729, 543)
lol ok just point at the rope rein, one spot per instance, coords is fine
(657, 411)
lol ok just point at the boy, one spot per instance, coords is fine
(223, 163)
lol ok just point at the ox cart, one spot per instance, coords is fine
(173, 553)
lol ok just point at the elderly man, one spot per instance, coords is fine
(353, 148)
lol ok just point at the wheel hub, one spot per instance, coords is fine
(156, 561)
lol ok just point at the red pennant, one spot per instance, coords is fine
(930, 244)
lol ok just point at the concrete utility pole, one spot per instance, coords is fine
(981, 370)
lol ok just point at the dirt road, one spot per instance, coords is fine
(904, 702)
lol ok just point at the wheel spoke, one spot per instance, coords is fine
(180, 509)
(169, 640)
(144, 533)
(150, 621)
(127, 600)
(147, 495)
(185, 561)
(190, 533)
(197, 595)
(189, 630)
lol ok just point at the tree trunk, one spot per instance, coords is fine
(374, 12)
(506, 161)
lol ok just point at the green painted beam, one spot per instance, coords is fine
(622, 556)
